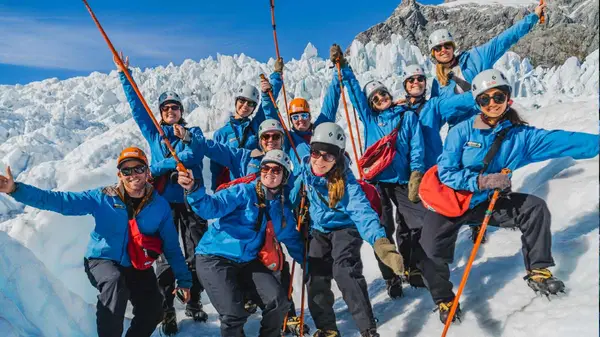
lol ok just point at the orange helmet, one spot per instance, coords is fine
(132, 153)
(299, 105)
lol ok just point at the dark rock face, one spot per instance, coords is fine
(571, 28)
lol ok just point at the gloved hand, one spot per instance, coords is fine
(386, 251)
(279, 65)
(494, 181)
(413, 186)
(182, 133)
(335, 52)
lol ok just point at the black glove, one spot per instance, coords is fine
(335, 53)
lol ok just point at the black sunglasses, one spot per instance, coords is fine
(485, 99)
(173, 107)
(268, 136)
(375, 98)
(250, 103)
(275, 169)
(328, 157)
(419, 78)
(128, 171)
(447, 46)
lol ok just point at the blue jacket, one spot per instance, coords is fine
(161, 161)
(234, 235)
(109, 238)
(240, 161)
(435, 113)
(232, 133)
(467, 144)
(409, 144)
(301, 139)
(354, 210)
(483, 57)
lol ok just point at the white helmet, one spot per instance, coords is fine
(489, 79)
(169, 96)
(412, 70)
(270, 125)
(331, 134)
(248, 92)
(440, 37)
(372, 86)
(280, 158)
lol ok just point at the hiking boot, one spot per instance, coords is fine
(542, 280)
(444, 309)
(250, 307)
(475, 233)
(293, 326)
(326, 333)
(414, 278)
(369, 333)
(169, 323)
(394, 287)
(195, 311)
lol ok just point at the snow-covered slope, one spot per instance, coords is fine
(66, 135)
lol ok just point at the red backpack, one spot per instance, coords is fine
(242, 180)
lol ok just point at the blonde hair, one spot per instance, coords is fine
(441, 73)
(335, 185)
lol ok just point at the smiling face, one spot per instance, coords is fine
(321, 162)
(271, 141)
(381, 100)
(301, 121)
(493, 102)
(444, 53)
(415, 85)
(133, 174)
(170, 113)
(271, 175)
(244, 107)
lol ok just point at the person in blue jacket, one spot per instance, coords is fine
(164, 176)
(460, 167)
(300, 117)
(341, 217)
(399, 182)
(456, 72)
(241, 131)
(107, 261)
(228, 254)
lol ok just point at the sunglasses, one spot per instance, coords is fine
(276, 170)
(328, 157)
(447, 46)
(419, 78)
(173, 107)
(250, 103)
(485, 99)
(129, 171)
(378, 96)
(299, 116)
(271, 136)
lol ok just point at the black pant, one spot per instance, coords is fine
(336, 255)
(221, 279)
(527, 212)
(117, 285)
(409, 218)
(191, 228)
(284, 279)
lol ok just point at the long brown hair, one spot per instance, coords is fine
(336, 184)
(441, 73)
(513, 116)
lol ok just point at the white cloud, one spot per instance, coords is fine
(64, 43)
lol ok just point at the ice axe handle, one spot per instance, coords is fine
(543, 16)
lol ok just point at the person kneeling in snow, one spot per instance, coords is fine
(243, 244)
(115, 264)
(461, 168)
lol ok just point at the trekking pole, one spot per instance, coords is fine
(116, 56)
(348, 118)
(543, 16)
(278, 55)
(287, 132)
(356, 121)
(304, 273)
(463, 282)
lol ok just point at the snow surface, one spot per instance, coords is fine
(66, 135)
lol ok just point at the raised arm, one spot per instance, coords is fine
(544, 144)
(138, 111)
(65, 203)
(357, 96)
(331, 101)
(455, 108)
(219, 204)
(236, 159)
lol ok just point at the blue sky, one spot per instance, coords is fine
(42, 39)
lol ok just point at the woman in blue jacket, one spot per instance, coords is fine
(240, 131)
(341, 217)
(228, 252)
(107, 261)
(460, 167)
(164, 174)
(455, 73)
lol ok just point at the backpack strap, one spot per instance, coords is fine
(489, 156)
(245, 134)
(464, 85)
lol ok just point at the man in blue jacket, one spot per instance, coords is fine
(107, 261)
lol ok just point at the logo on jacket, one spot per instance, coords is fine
(474, 144)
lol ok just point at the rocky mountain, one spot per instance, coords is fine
(571, 28)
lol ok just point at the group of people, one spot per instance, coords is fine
(273, 186)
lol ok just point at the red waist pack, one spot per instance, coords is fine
(378, 156)
(270, 254)
(372, 195)
(143, 249)
(442, 199)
